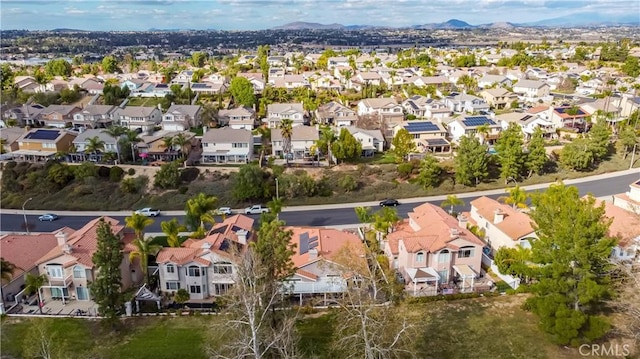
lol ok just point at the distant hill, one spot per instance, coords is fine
(498, 25)
(301, 25)
(69, 30)
(588, 19)
(451, 24)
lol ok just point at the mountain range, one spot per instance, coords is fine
(577, 20)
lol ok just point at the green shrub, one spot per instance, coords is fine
(189, 174)
(115, 174)
(131, 171)
(405, 169)
(183, 189)
(104, 172)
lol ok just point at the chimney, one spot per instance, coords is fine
(462, 221)
(204, 129)
(66, 249)
(62, 238)
(159, 107)
(454, 233)
(205, 245)
(242, 236)
(498, 216)
(313, 253)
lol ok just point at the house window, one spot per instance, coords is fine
(222, 268)
(420, 257)
(195, 289)
(173, 285)
(444, 256)
(57, 292)
(78, 272)
(54, 271)
(82, 293)
(171, 268)
(221, 288)
(194, 271)
(240, 145)
(465, 252)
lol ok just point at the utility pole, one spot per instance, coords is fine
(633, 155)
(277, 189)
(24, 213)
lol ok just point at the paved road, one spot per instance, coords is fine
(325, 215)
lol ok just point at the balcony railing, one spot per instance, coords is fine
(61, 282)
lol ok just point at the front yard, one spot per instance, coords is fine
(477, 328)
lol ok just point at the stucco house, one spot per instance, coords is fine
(499, 98)
(94, 116)
(181, 117)
(39, 144)
(138, 117)
(429, 136)
(60, 116)
(302, 138)
(385, 108)
(462, 102)
(227, 145)
(336, 114)
(372, 140)
(276, 112)
(468, 126)
(237, 118)
(531, 90)
(431, 247)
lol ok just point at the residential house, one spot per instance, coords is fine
(208, 88)
(625, 226)
(499, 98)
(489, 80)
(10, 136)
(153, 147)
(92, 85)
(603, 109)
(428, 136)
(628, 105)
(69, 266)
(439, 82)
(468, 126)
(336, 114)
(181, 117)
(183, 77)
(462, 102)
(59, 116)
(238, 118)
(27, 114)
(425, 107)
(28, 84)
(206, 268)
(569, 117)
(503, 225)
(431, 247)
(363, 79)
(276, 61)
(290, 82)
(42, 144)
(276, 73)
(94, 116)
(22, 250)
(372, 140)
(227, 145)
(337, 61)
(531, 90)
(256, 80)
(528, 123)
(138, 117)
(276, 112)
(302, 138)
(385, 108)
(317, 271)
(133, 85)
(81, 141)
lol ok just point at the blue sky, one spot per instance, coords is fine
(263, 14)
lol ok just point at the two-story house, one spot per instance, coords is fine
(82, 140)
(431, 247)
(94, 116)
(462, 102)
(336, 114)
(237, 118)
(181, 117)
(503, 225)
(499, 98)
(276, 112)
(529, 123)
(69, 266)
(60, 116)
(138, 117)
(256, 79)
(468, 126)
(489, 80)
(9, 138)
(206, 267)
(227, 145)
(426, 107)
(531, 90)
(363, 79)
(372, 140)
(302, 139)
(569, 117)
(24, 115)
(625, 226)
(41, 144)
(428, 136)
(317, 272)
(385, 108)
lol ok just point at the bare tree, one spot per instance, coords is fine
(248, 331)
(627, 302)
(368, 328)
(42, 342)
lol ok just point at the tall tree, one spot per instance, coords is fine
(106, 287)
(34, 283)
(199, 58)
(199, 211)
(172, 230)
(452, 201)
(628, 139)
(327, 137)
(242, 91)
(58, 67)
(600, 140)
(251, 183)
(571, 264)
(510, 154)
(286, 130)
(138, 223)
(94, 145)
(471, 161)
(577, 155)
(115, 132)
(536, 158)
(143, 249)
(183, 143)
(517, 197)
(346, 146)
(430, 171)
(109, 64)
(402, 145)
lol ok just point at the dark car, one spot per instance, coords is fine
(389, 203)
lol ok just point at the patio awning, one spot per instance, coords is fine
(422, 275)
(464, 271)
(145, 294)
(34, 153)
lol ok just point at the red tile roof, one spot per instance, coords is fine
(625, 224)
(515, 224)
(24, 250)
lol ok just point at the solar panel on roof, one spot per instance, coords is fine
(48, 135)
(199, 86)
(313, 245)
(477, 121)
(526, 118)
(304, 243)
(220, 229)
(437, 142)
(421, 127)
(313, 240)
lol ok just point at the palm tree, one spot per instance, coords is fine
(483, 131)
(138, 223)
(143, 249)
(94, 145)
(172, 229)
(115, 132)
(6, 269)
(517, 197)
(327, 137)
(183, 142)
(286, 130)
(167, 142)
(199, 209)
(452, 201)
(33, 283)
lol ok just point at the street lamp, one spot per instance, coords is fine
(277, 190)
(24, 214)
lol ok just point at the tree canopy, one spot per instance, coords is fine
(402, 144)
(346, 147)
(471, 162)
(242, 91)
(510, 153)
(106, 286)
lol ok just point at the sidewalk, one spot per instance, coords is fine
(344, 205)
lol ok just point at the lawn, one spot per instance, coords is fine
(480, 328)
(144, 101)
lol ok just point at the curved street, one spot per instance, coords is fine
(318, 215)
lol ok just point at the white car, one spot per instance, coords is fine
(148, 212)
(256, 209)
(224, 210)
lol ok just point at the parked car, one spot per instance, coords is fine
(256, 209)
(224, 210)
(389, 203)
(148, 212)
(48, 217)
